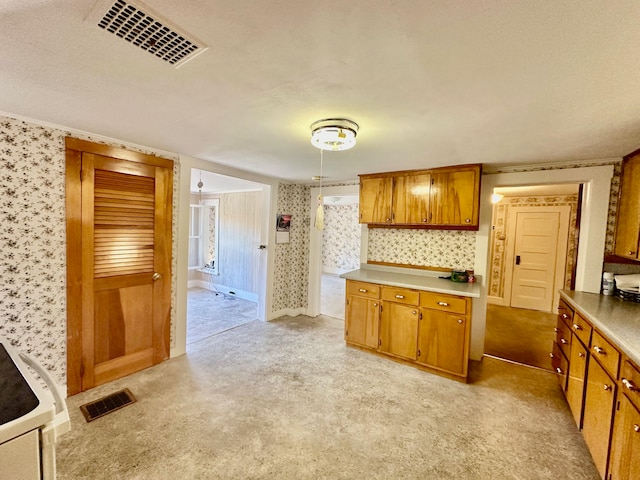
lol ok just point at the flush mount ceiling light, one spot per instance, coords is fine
(334, 134)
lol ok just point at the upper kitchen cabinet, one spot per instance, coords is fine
(375, 199)
(446, 198)
(455, 197)
(628, 230)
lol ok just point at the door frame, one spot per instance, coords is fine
(268, 233)
(561, 246)
(315, 244)
(593, 230)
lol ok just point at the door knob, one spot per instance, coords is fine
(262, 247)
(156, 276)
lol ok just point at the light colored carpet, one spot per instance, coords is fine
(288, 400)
(523, 336)
(209, 313)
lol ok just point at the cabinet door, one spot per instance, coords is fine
(375, 199)
(442, 341)
(625, 444)
(411, 195)
(454, 197)
(575, 381)
(361, 321)
(598, 414)
(628, 229)
(399, 330)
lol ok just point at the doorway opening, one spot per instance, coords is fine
(533, 248)
(224, 269)
(340, 247)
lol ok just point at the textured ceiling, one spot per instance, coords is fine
(431, 83)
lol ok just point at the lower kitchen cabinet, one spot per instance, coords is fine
(599, 400)
(399, 330)
(575, 379)
(361, 321)
(625, 446)
(427, 330)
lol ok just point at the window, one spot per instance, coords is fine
(195, 237)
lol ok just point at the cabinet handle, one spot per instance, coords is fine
(606, 387)
(563, 341)
(636, 428)
(363, 290)
(599, 350)
(577, 327)
(400, 296)
(443, 304)
(460, 320)
(559, 370)
(630, 385)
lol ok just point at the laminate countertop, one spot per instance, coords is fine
(617, 319)
(413, 278)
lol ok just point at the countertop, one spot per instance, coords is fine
(617, 319)
(413, 278)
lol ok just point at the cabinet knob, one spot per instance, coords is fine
(631, 252)
(559, 370)
(375, 304)
(563, 341)
(400, 296)
(552, 355)
(636, 428)
(599, 350)
(443, 304)
(363, 290)
(413, 312)
(424, 219)
(580, 354)
(630, 385)
(387, 219)
(460, 320)
(577, 327)
(555, 329)
(467, 220)
(606, 387)
(565, 316)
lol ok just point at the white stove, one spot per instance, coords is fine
(31, 418)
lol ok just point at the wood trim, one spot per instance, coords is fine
(610, 258)
(405, 265)
(422, 226)
(73, 202)
(72, 143)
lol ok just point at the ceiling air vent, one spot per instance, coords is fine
(138, 24)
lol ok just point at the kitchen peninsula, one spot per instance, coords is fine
(411, 316)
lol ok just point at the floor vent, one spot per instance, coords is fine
(108, 404)
(141, 26)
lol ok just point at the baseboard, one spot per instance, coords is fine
(495, 300)
(287, 312)
(252, 297)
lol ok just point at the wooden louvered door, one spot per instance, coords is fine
(125, 267)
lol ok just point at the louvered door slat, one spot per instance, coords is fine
(124, 219)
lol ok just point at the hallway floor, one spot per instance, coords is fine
(519, 335)
(288, 400)
(332, 295)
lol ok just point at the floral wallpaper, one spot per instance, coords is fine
(500, 215)
(292, 259)
(429, 248)
(33, 240)
(341, 237)
(211, 246)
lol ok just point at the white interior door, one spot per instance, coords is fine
(537, 255)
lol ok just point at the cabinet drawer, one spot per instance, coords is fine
(560, 365)
(443, 302)
(581, 328)
(400, 295)
(563, 338)
(606, 354)
(362, 289)
(630, 382)
(565, 312)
